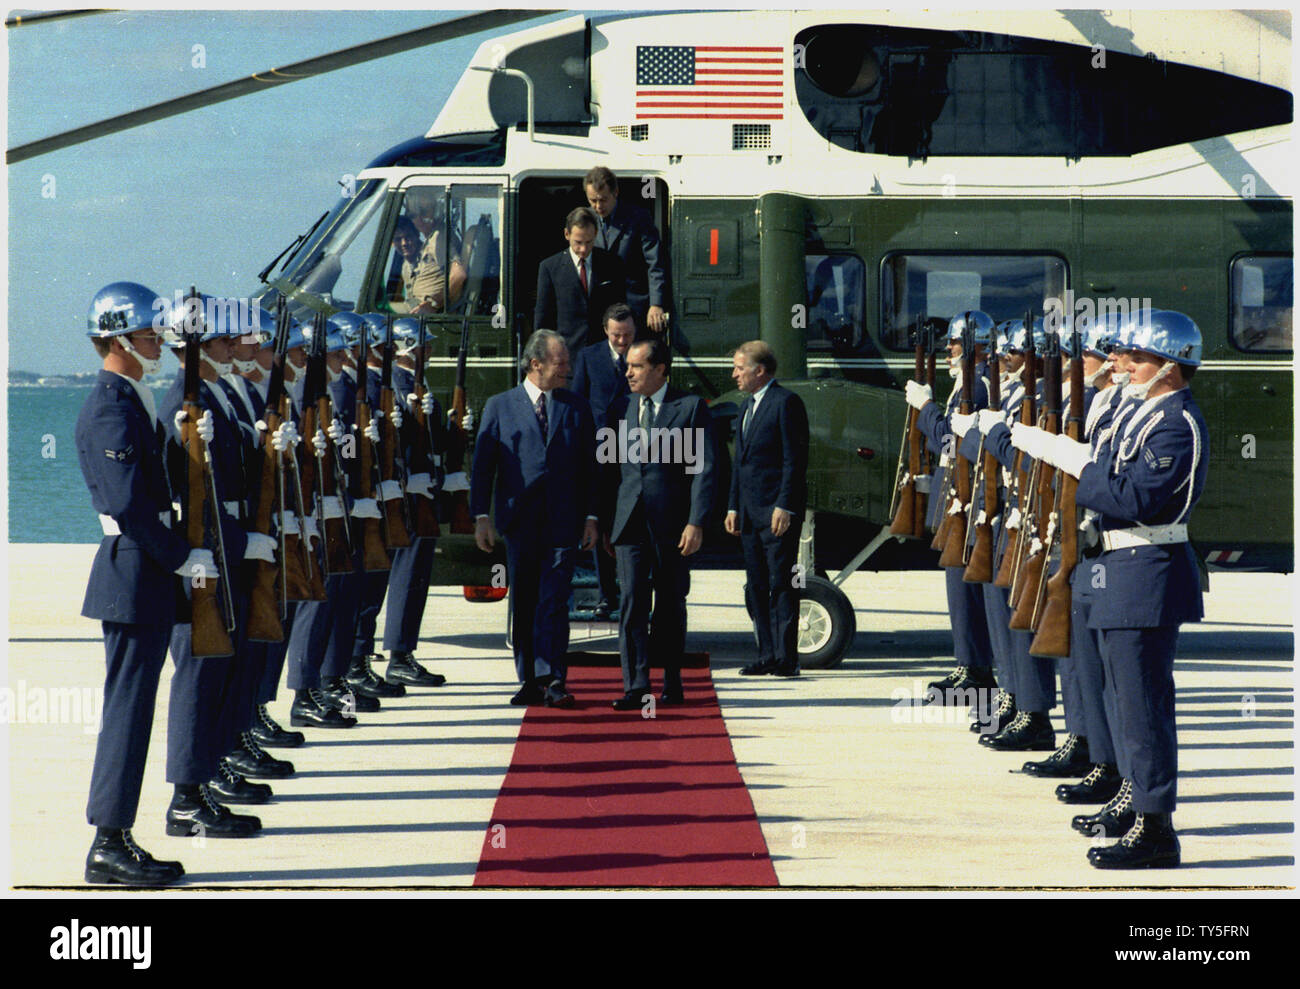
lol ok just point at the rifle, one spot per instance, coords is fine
(908, 508)
(1030, 585)
(1053, 638)
(1013, 550)
(425, 446)
(979, 566)
(267, 601)
(458, 439)
(392, 466)
(958, 509)
(336, 530)
(212, 620)
(302, 464)
(374, 558)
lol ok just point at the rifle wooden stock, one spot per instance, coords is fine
(1031, 584)
(1006, 568)
(909, 514)
(394, 509)
(954, 549)
(308, 480)
(979, 568)
(264, 623)
(297, 562)
(374, 557)
(338, 550)
(424, 511)
(209, 636)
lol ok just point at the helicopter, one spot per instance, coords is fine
(822, 179)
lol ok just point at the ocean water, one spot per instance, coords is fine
(48, 501)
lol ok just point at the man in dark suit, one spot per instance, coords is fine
(600, 376)
(627, 230)
(664, 469)
(536, 448)
(577, 285)
(769, 491)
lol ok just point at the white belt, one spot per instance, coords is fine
(331, 506)
(231, 507)
(291, 524)
(1144, 535)
(390, 490)
(111, 528)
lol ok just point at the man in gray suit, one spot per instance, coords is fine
(664, 471)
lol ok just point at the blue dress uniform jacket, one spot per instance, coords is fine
(121, 458)
(1153, 473)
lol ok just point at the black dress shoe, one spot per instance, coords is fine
(1002, 715)
(1028, 732)
(115, 858)
(336, 693)
(758, 669)
(201, 815)
(402, 668)
(557, 696)
(672, 698)
(310, 711)
(1068, 761)
(786, 671)
(1113, 820)
(948, 682)
(633, 701)
(362, 678)
(268, 732)
(250, 759)
(1098, 787)
(229, 787)
(1151, 843)
(529, 695)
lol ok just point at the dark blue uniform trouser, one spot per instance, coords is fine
(997, 613)
(320, 644)
(134, 656)
(1085, 659)
(540, 577)
(1139, 662)
(408, 592)
(645, 568)
(771, 598)
(275, 653)
(371, 599)
(970, 628)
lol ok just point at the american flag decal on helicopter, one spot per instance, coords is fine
(710, 82)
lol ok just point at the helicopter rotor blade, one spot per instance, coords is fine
(446, 31)
(36, 17)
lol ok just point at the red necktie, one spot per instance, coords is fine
(582, 276)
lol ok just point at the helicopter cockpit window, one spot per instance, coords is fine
(1004, 286)
(836, 300)
(332, 266)
(1263, 297)
(446, 250)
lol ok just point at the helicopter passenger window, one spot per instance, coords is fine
(836, 300)
(1262, 301)
(445, 250)
(935, 284)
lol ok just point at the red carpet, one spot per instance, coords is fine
(598, 797)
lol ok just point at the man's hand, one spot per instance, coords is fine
(781, 520)
(692, 537)
(590, 534)
(961, 424)
(917, 394)
(485, 534)
(606, 544)
(732, 523)
(656, 319)
(467, 420)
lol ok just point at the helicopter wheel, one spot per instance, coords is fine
(827, 624)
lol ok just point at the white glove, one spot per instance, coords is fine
(917, 394)
(309, 529)
(397, 417)
(1070, 455)
(455, 482)
(961, 424)
(419, 484)
(336, 431)
(426, 404)
(372, 428)
(365, 508)
(988, 418)
(467, 423)
(204, 424)
(411, 400)
(320, 443)
(260, 547)
(1032, 440)
(199, 565)
(285, 438)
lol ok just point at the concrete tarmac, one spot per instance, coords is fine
(855, 782)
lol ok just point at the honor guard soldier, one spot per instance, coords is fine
(408, 580)
(133, 587)
(971, 643)
(1143, 488)
(211, 695)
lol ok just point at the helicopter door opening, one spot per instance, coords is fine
(544, 202)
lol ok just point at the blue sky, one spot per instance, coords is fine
(208, 197)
